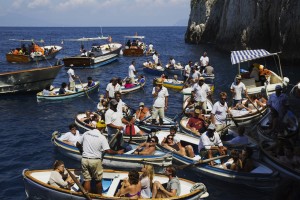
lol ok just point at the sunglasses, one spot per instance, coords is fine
(170, 138)
(152, 141)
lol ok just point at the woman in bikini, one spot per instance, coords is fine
(131, 187)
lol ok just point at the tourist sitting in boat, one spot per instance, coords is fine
(149, 63)
(239, 140)
(147, 148)
(128, 84)
(175, 80)
(234, 163)
(128, 44)
(102, 105)
(95, 120)
(59, 177)
(171, 64)
(71, 137)
(190, 107)
(47, 91)
(90, 82)
(210, 144)
(241, 107)
(247, 161)
(141, 79)
(63, 89)
(171, 189)
(131, 187)
(88, 118)
(146, 179)
(173, 143)
(208, 70)
(197, 123)
(261, 101)
(16, 52)
(142, 112)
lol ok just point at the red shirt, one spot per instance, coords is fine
(195, 122)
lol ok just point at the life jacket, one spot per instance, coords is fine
(130, 130)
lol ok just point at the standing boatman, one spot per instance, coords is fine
(72, 78)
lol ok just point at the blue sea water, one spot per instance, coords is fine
(26, 125)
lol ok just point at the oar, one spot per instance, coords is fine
(144, 119)
(85, 193)
(254, 105)
(83, 88)
(201, 161)
(113, 138)
(234, 121)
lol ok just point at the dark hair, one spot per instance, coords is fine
(155, 138)
(89, 78)
(118, 92)
(249, 151)
(134, 177)
(64, 84)
(174, 128)
(57, 163)
(172, 170)
(72, 126)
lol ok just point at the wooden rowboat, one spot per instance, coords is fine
(80, 90)
(172, 84)
(262, 176)
(153, 69)
(127, 160)
(37, 187)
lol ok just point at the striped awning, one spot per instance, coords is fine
(247, 55)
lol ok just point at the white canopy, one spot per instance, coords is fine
(28, 40)
(135, 37)
(246, 55)
(87, 39)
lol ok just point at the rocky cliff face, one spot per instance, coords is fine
(273, 25)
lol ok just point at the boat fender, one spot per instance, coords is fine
(198, 186)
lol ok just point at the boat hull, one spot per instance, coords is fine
(133, 89)
(147, 126)
(90, 62)
(58, 97)
(262, 177)
(32, 80)
(121, 161)
(36, 186)
(133, 52)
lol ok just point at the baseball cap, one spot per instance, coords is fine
(211, 127)
(113, 102)
(201, 78)
(142, 104)
(159, 81)
(238, 76)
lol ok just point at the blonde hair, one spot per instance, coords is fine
(149, 172)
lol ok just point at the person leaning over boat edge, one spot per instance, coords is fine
(93, 143)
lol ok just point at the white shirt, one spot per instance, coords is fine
(173, 62)
(155, 58)
(131, 71)
(112, 89)
(114, 118)
(204, 60)
(220, 112)
(71, 137)
(120, 106)
(201, 92)
(159, 101)
(146, 188)
(93, 143)
(187, 70)
(238, 90)
(46, 92)
(150, 47)
(207, 143)
(196, 75)
(71, 73)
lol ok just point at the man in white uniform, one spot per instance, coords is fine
(204, 60)
(131, 71)
(72, 78)
(160, 94)
(121, 105)
(114, 120)
(210, 144)
(155, 58)
(111, 88)
(187, 70)
(93, 143)
(201, 91)
(219, 112)
(71, 137)
(236, 89)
